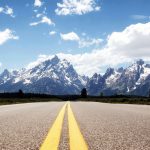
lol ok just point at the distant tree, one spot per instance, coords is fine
(116, 94)
(20, 93)
(101, 94)
(84, 93)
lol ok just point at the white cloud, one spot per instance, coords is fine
(35, 10)
(47, 20)
(89, 42)
(52, 32)
(92, 62)
(122, 47)
(0, 64)
(34, 23)
(82, 42)
(38, 3)
(1, 9)
(44, 20)
(79, 7)
(40, 59)
(133, 41)
(7, 10)
(140, 17)
(72, 36)
(39, 15)
(6, 35)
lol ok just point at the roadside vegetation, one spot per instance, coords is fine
(20, 97)
(114, 100)
(121, 100)
(6, 101)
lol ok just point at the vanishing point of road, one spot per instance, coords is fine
(74, 126)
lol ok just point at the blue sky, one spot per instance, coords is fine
(31, 30)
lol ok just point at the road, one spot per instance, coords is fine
(74, 126)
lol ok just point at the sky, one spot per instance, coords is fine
(92, 34)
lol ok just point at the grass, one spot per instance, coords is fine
(8, 101)
(142, 101)
(114, 100)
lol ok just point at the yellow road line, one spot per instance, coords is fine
(76, 139)
(52, 140)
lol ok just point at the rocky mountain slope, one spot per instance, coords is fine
(133, 80)
(53, 76)
(56, 76)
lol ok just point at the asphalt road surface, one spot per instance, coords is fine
(88, 125)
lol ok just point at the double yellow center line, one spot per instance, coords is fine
(76, 139)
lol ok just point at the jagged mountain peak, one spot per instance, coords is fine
(55, 60)
(52, 68)
(15, 72)
(58, 76)
(147, 65)
(6, 71)
(49, 65)
(5, 74)
(50, 62)
(109, 72)
(135, 67)
(120, 70)
(122, 81)
(96, 75)
(140, 62)
(52, 75)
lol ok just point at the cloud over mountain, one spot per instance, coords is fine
(52, 75)
(121, 47)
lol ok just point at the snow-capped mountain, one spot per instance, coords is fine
(5, 76)
(131, 80)
(53, 76)
(56, 76)
(95, 84)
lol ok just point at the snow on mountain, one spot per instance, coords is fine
(113, 78)
(128, 78)
(56, 76)
(122, 81)
(95, 84)
(47, 77)
(5, 76)
(144, 74)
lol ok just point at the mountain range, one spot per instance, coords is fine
(56, 76)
